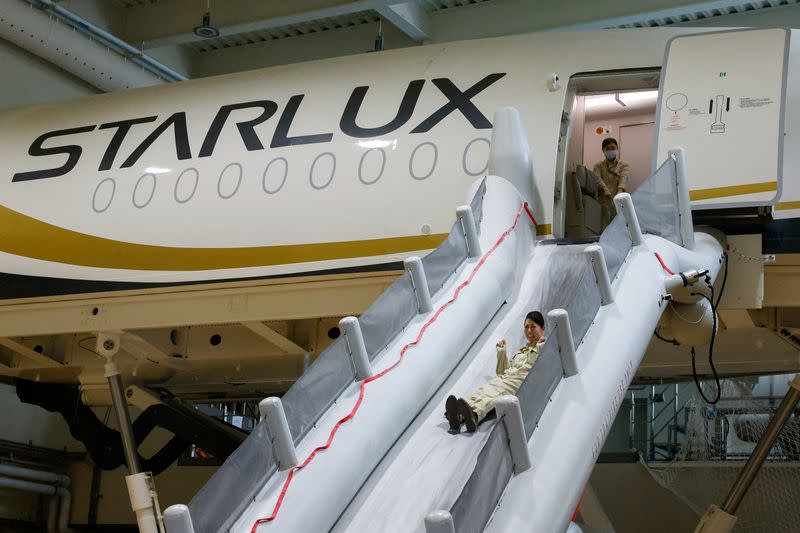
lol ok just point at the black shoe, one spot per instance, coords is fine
(451, 414)
(469, 416)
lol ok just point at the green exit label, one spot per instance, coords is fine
(723, 74)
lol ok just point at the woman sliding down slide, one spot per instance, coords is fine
(510, 375)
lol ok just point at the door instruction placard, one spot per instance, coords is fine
(722, 97)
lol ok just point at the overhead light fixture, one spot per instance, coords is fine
(603, 100)
(377, 46)
(636, 97)
(206, 30)
(622, 99)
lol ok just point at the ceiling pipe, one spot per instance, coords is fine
(46, 482)
(111, 41)
(34, 475)
(37, 32)
(49, 490)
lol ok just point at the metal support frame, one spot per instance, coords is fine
(215, 303)
(672, 440)
(271, 410)
(358, 350)
(624, 205)
(722, 519)
(670, 425)
(566, 346)
(141, 490)
(763, 447)
(439, 522)
(652, 422)
(414, 265)
(509, 411)
(108, 346)
(467, 218)
(409, 17)
(284, 344)
(37, 359)
(597, 260)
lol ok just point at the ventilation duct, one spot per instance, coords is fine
(36, 32)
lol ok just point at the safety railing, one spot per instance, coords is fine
(663, 450)
(237, 482)
(659, 210)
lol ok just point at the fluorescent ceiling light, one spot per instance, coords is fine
(638, 97)
(625, 99)
(603, 100)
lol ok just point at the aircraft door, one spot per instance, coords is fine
(722, 99)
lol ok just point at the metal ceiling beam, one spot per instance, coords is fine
(141, 348)
(38, 360)
(113, 43)
(39, 33)
(172, 23)
(684, 13)
(285, 345)
(278, 300)
(409, 17)
(494, 18)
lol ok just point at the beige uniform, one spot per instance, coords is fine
(614, 175)
(510, 375)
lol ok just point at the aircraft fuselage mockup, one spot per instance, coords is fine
(325, 166)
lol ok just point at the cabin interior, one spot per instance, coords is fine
(621, 106)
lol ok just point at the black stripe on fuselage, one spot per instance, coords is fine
(16, 286)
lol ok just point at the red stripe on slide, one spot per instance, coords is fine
(354, 410)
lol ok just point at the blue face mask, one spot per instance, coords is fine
(611, 155)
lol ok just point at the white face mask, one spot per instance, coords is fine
(611, 155)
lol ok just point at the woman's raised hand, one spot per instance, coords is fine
(501, 343)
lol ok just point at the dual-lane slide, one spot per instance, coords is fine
(394, 461)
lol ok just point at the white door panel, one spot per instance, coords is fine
(636, 148)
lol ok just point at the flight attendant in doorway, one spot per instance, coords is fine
(612, 178)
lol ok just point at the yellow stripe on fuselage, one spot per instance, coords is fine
(28, 237)
(732, 190)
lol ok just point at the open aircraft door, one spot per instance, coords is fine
(723, 99)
